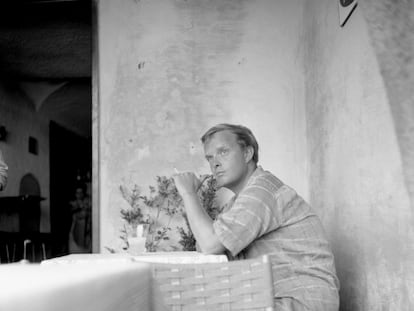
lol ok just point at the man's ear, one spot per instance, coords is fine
(248, 153)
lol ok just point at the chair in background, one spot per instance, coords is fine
(15, 246)
(22, 239)
(236, 285)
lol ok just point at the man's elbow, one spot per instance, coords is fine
(213, 247)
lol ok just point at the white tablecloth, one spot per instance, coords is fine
(95, 258)
(90, 282)
(159, 257)
(180, 257)
(88, 286)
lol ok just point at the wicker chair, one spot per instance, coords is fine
(236, 285)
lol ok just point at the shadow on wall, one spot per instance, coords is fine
(348, 261)
(391, 28)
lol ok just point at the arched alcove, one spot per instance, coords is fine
(30, 193)
(29, 185)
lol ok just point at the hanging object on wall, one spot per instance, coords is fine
(346, 8)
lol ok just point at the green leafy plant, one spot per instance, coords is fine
(207, 194)
(187, 241)
(163, 201)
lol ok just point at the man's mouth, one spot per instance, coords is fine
(219, 174)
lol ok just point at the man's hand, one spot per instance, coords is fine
(186, 182)
(201, 224)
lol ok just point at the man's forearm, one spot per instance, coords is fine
(201, 225)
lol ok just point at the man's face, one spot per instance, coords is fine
(227, 159)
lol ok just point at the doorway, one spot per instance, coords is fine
(70, 165)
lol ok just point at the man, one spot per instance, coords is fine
(264, 217)
(3, 172)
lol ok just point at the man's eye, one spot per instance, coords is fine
(224, 152)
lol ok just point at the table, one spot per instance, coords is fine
(180, 257)
(86, 286)
(89, 282)
(159, 257)
(20, 213)
(85, 258)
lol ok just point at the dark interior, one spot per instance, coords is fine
(48, 43)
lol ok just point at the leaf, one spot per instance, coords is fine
(163, 199)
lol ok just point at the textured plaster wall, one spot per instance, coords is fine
(22, 121)
(171, 69)
(310, 90)
(356, 173)
(391, 28)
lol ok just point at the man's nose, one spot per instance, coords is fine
(216, 162)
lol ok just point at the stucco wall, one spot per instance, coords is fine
(21, 121)
(356, 176)
(391, 29)
(310, 90)
(171, 69)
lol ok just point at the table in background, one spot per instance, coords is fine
(20, 236)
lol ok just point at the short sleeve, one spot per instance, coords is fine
(3, 172)
(252, 215)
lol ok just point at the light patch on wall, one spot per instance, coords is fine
(192, 149)
(143, 153)
(176, 92)
(164, 119)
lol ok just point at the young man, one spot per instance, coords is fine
(3, 172)
(265, 216)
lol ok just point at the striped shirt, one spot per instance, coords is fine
(268, 217)
(3, 172)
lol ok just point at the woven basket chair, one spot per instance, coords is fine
(236, 285)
